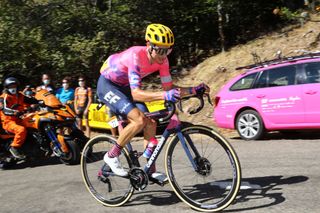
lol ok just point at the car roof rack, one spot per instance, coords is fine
(280, 60)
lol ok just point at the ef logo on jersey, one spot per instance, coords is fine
(111, 97)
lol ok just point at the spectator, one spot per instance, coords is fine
(46, 83)
(65, 94)
(82, 101)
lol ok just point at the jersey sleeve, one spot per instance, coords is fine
(165, 76)
(134, 75)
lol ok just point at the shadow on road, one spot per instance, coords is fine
(157, 198)
(259, 192)
(267, 190)
(34, 163)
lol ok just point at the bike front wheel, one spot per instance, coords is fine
(204, 171)
(103, 185)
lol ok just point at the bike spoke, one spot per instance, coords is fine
(109, 189)
(216, 180)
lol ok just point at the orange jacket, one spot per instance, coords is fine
(10, 105)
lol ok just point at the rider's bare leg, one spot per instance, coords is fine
(149, 131)
(79, 123)
(137, 121)
(88, 130)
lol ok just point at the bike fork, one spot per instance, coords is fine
(187, 150)
(58, 148)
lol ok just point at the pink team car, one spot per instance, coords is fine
(281, 94)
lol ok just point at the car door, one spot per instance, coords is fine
(280, 97)
(311, 92)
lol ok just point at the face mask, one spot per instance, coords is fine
(46, 82)
(12, 91)
(81, 84)
(65, 85)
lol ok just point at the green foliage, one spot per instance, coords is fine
(73, 37)
(287, 14)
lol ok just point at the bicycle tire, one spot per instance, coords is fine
(214, 189)
(91, 168)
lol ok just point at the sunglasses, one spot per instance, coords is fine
(80, 80)
(161, 50)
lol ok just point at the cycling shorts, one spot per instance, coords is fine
(117, 98)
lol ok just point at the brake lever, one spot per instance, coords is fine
(200, 97)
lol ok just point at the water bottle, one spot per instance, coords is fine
(150, 148)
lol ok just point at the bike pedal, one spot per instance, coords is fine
(156, 181)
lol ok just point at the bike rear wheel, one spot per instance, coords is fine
(215, 182)
(103, 185)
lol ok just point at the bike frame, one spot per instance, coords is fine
(174, 127)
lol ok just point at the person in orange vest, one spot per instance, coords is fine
(82, 101)
(12, 105)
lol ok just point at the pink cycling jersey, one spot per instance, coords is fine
(130, 66)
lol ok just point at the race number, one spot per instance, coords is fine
(113, 122)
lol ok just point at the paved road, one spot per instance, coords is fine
(279, 175)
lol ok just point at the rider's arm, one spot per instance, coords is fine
(166, 81)
(6, 110)
(184, 91)
(89, 98)
(76, 98)
(135, 83)
(144, 96)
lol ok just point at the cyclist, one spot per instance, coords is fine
(119, 87)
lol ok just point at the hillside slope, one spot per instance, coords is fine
(217, 70)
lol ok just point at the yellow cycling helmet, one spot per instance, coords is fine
(159, 34)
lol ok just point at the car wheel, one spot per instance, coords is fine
(249, 125)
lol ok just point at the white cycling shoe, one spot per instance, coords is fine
(115, 165)
(162, 178)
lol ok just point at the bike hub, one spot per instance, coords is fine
(204, 166)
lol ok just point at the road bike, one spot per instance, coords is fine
(202, 167)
